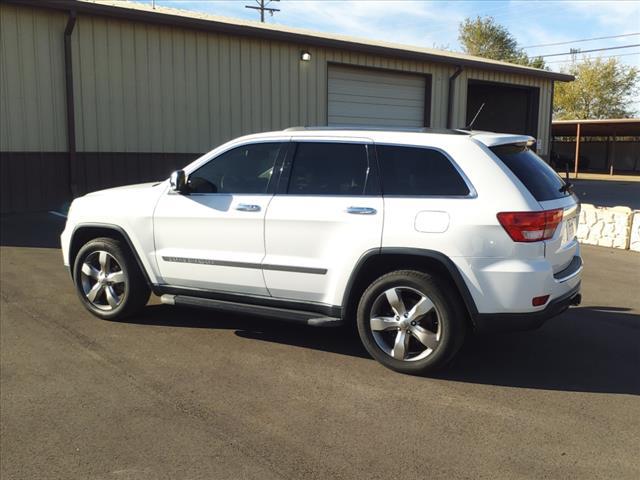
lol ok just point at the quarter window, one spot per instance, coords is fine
(242, 170)
(329, 169)
(539, 178)
(414, 171)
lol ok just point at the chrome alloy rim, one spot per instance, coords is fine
(103, 281)
(405, 324)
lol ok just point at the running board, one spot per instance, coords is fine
(283, 314)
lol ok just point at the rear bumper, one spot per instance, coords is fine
(514, 322)
(508, 285)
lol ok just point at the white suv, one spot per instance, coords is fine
(416, 236)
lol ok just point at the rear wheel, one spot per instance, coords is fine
(108, 279)
(409, 322)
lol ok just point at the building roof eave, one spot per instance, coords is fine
(203, 22)
(597, 127)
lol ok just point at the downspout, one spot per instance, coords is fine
(452, 90)
(550, 139)
(71, 118)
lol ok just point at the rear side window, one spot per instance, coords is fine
(539, 178)
(329, 169)
(415, 171)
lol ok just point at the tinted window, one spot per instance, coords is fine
(329, 169)
(245, 169)
(418, 171)
(539, 178)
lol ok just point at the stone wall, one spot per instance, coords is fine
(609, 227)
(635, 232)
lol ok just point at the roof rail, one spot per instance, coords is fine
(378, 129)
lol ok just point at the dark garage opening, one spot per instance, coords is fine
(508, 108)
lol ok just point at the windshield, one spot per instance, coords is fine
(539, 178)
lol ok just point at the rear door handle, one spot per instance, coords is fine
(244, 207)
(362, 210)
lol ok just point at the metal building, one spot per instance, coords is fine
(97, 93)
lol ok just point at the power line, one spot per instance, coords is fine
(605, 56)
(582, 40)
(263, 7)
(577, 51)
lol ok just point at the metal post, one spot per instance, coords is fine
(451, 93)
(613, 152)
(607, 153)
(577, 159)
(71, 120)
(262, 6)
(550, 133)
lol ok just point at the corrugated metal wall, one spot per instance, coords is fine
(33, 162)
(600, 156)
(143, 89)
(32, 110)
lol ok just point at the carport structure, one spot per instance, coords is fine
(600, 146)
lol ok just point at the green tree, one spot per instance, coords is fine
(603, 88)
(485, 37)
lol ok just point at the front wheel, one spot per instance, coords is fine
(108, 279)
(409, 322)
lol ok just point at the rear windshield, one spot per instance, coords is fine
(539, 178)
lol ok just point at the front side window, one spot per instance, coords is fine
(241, 170)
(329, 169)
(416, 171)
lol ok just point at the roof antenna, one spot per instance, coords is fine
(470, 126)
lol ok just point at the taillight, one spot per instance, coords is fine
(531, 226)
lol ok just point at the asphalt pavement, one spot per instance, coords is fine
(608, 193)
(189, 394)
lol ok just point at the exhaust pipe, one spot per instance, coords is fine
(576, 300)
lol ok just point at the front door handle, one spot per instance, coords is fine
(244, 207)
(362, 210)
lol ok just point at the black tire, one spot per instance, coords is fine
(132, 295)
(448, 318)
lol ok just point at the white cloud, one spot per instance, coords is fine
(435, 23)
(618, 14)
(410, 22)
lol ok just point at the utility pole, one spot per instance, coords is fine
(263, 6)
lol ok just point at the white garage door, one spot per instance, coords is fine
(375, 97)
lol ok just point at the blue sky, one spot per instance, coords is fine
(435, 23)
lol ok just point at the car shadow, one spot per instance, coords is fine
(586, 349)
(341, 340)
(35, 230)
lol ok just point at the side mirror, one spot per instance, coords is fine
(178, 181)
